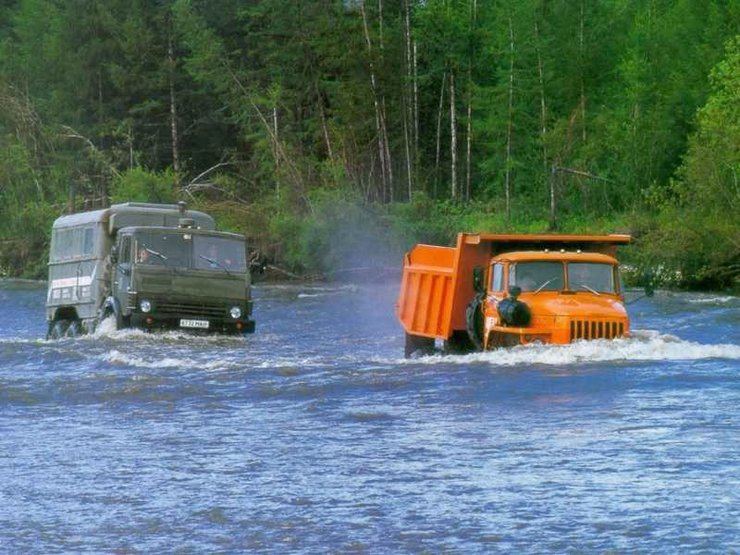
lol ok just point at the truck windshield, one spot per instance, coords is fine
(219, 252)
(591, 276)
(537, 276)
(180, 250)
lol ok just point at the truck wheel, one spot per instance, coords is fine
(58, 329)
(459, 343)
(418, 346)
(74, 329)
(474, 322)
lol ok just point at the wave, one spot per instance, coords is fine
(644, 345)
(714, 300)
(116, 357)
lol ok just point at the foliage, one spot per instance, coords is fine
(311, 125)
(140, 185)
(700, 229)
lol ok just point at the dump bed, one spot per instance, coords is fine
(437, 282)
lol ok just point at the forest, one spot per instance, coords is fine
(337, 133)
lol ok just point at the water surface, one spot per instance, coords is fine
(314, 435)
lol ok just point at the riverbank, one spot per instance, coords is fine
(340, 239)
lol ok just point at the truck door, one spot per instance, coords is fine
(122, 272)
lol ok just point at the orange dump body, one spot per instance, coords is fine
(438, 299)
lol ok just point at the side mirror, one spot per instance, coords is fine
(479, 282)
(114, 254)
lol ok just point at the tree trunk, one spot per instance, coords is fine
(469, 131)
(173, 111)
(509, 126)
(275, 139)
(325, 128)
(583, 69)
(408, 112)
(543, 106)
(468, 147)
(453, 138)
(416, 115)
(439, 133)
(376, 103)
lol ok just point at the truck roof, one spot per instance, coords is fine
(194, 231)
(136, 213)
(505, 242)
(559, 256)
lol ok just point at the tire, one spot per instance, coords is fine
(74, 329)
(459, 343)
(58, 329)
(418, 346)
(474, 322)
(121, 320)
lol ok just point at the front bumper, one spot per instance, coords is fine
(191, 323)
(205, 316)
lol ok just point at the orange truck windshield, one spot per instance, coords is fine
(550, 276)
(590, 276)
(537, 276)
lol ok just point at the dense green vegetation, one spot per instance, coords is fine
(335, 133)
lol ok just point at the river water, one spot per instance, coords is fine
(315, 436)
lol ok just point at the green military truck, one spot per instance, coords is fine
(149, 266)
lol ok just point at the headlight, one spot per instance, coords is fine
(145, 305)
(235, 312)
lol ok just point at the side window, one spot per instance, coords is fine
(87, 241)
(497, 279)
(125, 250)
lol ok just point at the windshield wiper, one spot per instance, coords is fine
(214, 262)
(155, 253)
(548, 282)
(589, 289)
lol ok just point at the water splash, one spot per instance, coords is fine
(644, 345)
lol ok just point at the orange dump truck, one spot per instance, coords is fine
(494, 290)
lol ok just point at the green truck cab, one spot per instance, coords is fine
(149, 266)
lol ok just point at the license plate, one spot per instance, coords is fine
(201, 324)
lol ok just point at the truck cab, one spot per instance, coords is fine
(552, 297)
(180, 278)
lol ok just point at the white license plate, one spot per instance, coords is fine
(201, 324)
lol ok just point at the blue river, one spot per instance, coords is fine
(315, 435)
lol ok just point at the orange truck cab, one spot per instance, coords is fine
(496, 290)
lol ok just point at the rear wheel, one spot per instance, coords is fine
(459, 343)
(74, 329)
(58, 329)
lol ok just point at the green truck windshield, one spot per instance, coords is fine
(182, 250)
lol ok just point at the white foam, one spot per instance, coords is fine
(644, 345)
(714, 300)
(118, 358)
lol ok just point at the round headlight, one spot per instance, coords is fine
(145, 305)
(235, 312)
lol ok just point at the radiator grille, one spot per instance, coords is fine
(190, 308)
(595, 329)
